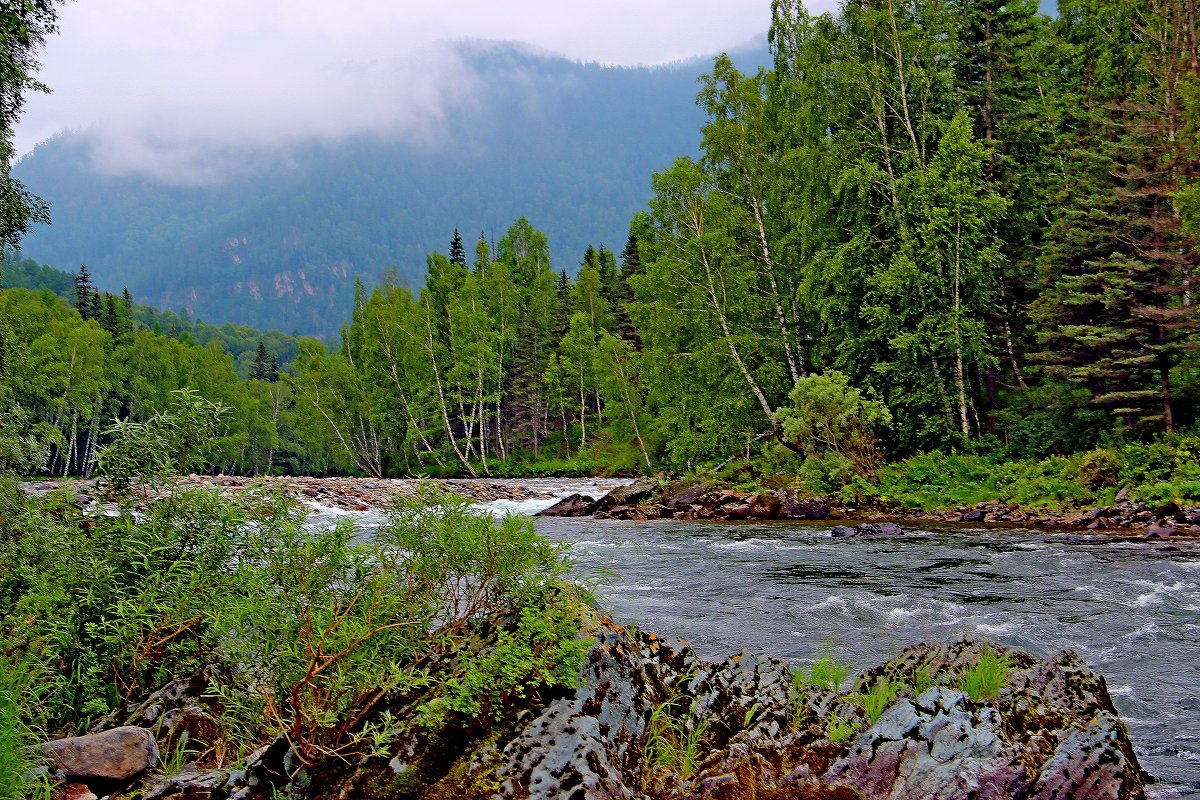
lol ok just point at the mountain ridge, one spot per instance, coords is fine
(282, 240)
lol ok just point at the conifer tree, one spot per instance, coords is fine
(260, 368)
(84, 292)
(457, 254)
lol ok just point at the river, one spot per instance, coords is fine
(1130, 608)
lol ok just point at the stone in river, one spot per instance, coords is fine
(576, 505)
(868, 529)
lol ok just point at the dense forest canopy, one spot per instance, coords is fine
(975, 221)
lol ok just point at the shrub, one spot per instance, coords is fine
(828, 415)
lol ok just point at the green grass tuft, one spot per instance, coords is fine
(985, 680)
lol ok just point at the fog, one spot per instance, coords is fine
(183, 90)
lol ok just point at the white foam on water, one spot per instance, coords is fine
(1000, 629)
(834, 601)
(640, 587)
(1159, 592)
(741, 545)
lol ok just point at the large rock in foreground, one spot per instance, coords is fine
(652, 719)
(109, 756)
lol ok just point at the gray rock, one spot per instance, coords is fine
(868, 529)
(641, 489)
(1096, 763)
(793, 507)
(936, 747)
(114, 755)
(576, 505)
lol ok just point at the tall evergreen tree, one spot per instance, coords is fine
(457, 254)
(84, 292)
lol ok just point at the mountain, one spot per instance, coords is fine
(280, 241)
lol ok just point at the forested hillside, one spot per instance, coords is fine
(942, 227)
(279, 241)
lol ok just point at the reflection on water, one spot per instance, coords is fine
(1131, 609)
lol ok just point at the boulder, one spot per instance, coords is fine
(641, 489)
(685, 498)
(793, 507)
(114, 755)
(575, 505)
(1051, 733)
(937, 746)
(868, 529)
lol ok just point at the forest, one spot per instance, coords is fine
(929, 227)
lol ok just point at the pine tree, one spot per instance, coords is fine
(563, 308)
(84, 291)
(110, 316)
(622, 296)
(1116, 316)
(457, 254)
(260, 369)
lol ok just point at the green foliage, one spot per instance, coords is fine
(20, 685)
(878, 698)
(985, 679)
(174, 441)
(673, 740)
(21, 451)
(1166, 470)
(543, 652)
(313, 622)
(839, 730)
(832, 421)
(827, 672)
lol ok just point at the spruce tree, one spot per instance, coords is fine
(457, 254)
(84, 290)
(1116, 316)
(260, 369)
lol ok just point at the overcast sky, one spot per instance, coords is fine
(156, 78)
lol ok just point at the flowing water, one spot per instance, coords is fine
(1131, 608)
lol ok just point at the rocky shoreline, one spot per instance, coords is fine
(655, 498)
(651, 719)
(342, 494)
(650, 498)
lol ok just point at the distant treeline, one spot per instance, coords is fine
(981, 217)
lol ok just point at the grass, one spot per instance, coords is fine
(1166, 470)
(839, 730)
(18, 697)
(673, 742)
(878, 698)
(827, 672)
(989, 675)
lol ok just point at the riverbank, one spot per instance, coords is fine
(342, 493)
(650, 498)
(662, 498)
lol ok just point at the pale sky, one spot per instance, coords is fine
(155, 80)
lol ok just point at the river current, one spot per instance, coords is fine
(1131, 608)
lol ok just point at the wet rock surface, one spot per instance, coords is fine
(868, 529)
(651, 719)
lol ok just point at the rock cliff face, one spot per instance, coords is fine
(651, 719)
